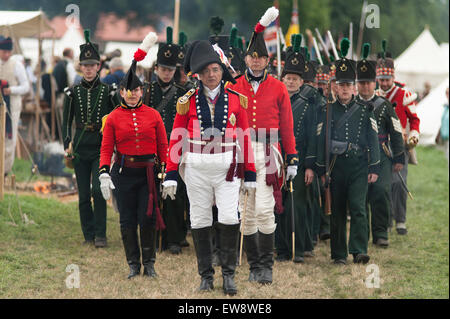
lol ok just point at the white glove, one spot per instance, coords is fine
(248, 186)
(291, 172)
(169, 189)
(106, 185)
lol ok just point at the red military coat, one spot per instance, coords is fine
(193, 121)
(134, 131)
(269, 108)
(405, 107)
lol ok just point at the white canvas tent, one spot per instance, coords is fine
(19, 24)
(73, 38)
(430, 111)
(423, 61)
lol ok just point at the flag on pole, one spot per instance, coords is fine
(294, 27)
(270, 34)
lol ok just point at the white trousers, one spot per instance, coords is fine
(10, 144)
(204, 176)
(259, 214)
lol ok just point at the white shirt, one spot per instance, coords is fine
(71, 73)
(21, 75)
(211, 94)
(255, 84)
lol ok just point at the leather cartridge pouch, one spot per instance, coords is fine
(338, 147)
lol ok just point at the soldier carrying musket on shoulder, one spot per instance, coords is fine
(354, 164)
(392, 151)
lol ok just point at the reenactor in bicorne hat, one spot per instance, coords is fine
(354, 161)
(162, 94)
(86, 104)
(137, 134)
(404, 103)
(270, 118)
(211, 122)
(392, 150)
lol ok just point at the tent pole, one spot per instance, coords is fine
(38, 85)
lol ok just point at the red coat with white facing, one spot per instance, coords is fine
(269, 108)
(405, 107)
(134, 131)
(193, 120)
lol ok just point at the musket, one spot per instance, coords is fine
(291, 190)
(316, 47)
(388, 153)
(161, 176)
(327, 152)
(323, 45)
(242, 228)
(333, 46)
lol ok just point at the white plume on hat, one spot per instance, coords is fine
(149, 41)
(269, 16)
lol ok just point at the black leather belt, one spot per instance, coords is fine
(89, 127)
(136, 158)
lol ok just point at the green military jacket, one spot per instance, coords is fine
(155, 96)
(304, 115)
(390, 136)
(359, 132)
(87, 103)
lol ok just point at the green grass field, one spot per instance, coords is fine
(34, 256)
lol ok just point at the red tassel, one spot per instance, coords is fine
(159, 221)
(230, 173)
(240, 172)
(278, 202)
(150, 205)
(139, 55)
(259, 28)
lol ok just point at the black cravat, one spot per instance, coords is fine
(255, 78)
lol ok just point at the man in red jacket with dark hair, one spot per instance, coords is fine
(270, 117)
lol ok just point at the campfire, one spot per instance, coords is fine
(42, 187)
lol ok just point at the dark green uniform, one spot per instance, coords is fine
(359, 157)
(305, 140)
(320, 223)
(87, 103)
(174, 211)
(391, 151)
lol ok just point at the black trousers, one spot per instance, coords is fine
(131, 194)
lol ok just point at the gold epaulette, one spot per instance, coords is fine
(183, 102)
(242, 98)
(103, 123)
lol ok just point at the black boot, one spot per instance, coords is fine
(228, 254)
(252, 251)
(203, 249)
(266, 259)
(131, 246)
(148, 246)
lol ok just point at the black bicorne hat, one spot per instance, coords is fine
(201, 54)
(89, 53)
(257, 46)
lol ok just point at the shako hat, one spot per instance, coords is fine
(366, 69)
(89, 53)
(257, 46)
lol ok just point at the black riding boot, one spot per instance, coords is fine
(228, 254)
(266, 257)
(131, 246)
(203, 249)
(148, 246)
(252, 251)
